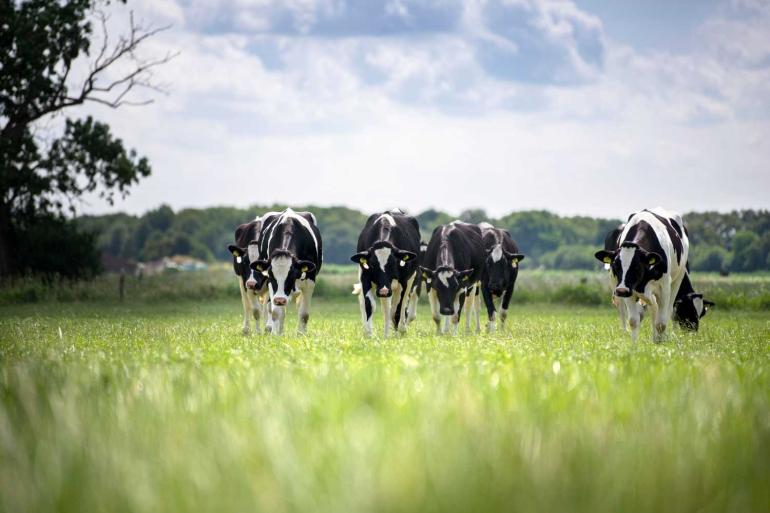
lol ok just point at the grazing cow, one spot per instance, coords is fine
(452, 268)
(252, 284)
(690, 306)
(501, 268)
(649, 265)
(387, 255)
(291, 254)
(611, 245)
(414, 294)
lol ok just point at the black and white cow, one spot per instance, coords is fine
(252, 284)
(452, 269)
(649, 265)
(387, 254)
(291, 254)
(689, 306)
(501, 268)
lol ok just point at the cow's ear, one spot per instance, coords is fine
(404, 256)
(652, 258)
(361, 259)
(305, 266)
(515, 258)
(426, 273)
(260, 265)
(604, 256)
(463, 276)
(236, 251)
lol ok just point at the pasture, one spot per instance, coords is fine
(162, 405)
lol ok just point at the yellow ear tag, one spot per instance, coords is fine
(607, 260)
(260, 268)
(304, 268)
(235, 253)
(514, 263)
(425, 275)
(406, 257)
(465, 278)
(652, 261)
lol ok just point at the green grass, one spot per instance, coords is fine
(167, 408)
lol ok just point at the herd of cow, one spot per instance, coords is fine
(278, 256)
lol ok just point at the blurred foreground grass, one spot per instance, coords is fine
(167, 408)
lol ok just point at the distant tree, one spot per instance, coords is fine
(709, 258)
(474, 215)
(43, 44)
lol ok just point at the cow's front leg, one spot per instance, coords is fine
(246, 303)
(434, 310)
(265, 307)
(414, 297)
(634, 316)
(507, 295)
(622, 312)
(385, 303)
(489, 301)
(469, 299)
(366, 304)
(401, 311)
(661, 312)
(278, 314)
(458, 307)
(306, 288)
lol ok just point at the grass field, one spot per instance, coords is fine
(167, 408)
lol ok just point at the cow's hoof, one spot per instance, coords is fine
(245, 330)
(268, 329)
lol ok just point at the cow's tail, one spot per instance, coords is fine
(356, 289)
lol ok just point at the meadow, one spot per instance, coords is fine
(160, 404)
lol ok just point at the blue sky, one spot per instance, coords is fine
(591, 107)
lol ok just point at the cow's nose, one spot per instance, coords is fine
(447, 310)
(623, 292)
(383, 292)
(251, 284)
(279, 301)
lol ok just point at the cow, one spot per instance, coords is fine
(414, 294)
(649, 265)
(611, 245)
(501, 268)
(387, 256)
(452, 269)
(689, 306)
(252, 284)
(291, 253)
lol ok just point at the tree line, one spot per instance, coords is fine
(737, 241)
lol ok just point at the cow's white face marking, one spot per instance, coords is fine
(698, 303)
(253, 251)
(281, 266)
(444, 276)
(382, 255)
(626, 256)
(388, 219)
(497, 253)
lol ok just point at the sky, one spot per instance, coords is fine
(594, 108)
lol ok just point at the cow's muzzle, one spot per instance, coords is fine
(251, 284)
(623, 292)
(384, 292)
(279, 301)
(447, 310)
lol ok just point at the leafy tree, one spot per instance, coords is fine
(43, 43)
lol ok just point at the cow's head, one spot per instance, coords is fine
(448, 283)
(283, 270)
(690, 309)
(632, 267)
(501, 266)
(383, 263)
(242, 257)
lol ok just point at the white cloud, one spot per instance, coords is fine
(415, 118)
